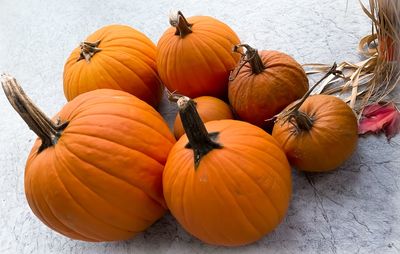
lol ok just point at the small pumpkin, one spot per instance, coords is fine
(115, 57)
(264, 83)
(209, 108)
(317, 133)
(227, 182)
(194, 56)
(95, 174)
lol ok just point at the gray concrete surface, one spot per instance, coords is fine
(352, 210)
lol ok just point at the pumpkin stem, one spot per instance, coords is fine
(298, 119)
(88, 49)
(183, 27)
(250, 56)
(200, 141)
(301, 121)
(37, 121)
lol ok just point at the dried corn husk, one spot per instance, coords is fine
(376, 78)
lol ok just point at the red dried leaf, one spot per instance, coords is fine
(376, 118)
(377, 109)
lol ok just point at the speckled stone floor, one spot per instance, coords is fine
(355, 209)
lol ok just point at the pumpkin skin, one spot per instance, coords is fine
(209, 108)
(102, 180)
(197, 63)
(256, 98)
(126, 62)
(237, 193)
(330, 141)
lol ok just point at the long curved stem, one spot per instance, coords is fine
(252, 57)
(37, 121)
(298, 119)
(333, 71)
(200, 141)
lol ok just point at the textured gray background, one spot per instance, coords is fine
(352, 210)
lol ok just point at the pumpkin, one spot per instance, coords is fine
(317, 133)
(96, 173)
(194, 56)
(227, 182)
(264, 83)
(209, 108)
(115, 57)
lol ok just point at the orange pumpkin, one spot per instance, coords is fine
(209, 108)
(226, 182)
(264, 83)
(116, 57)
(194, 56)
(320, 135)
(96, 175)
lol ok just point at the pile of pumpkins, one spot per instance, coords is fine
(107, 166)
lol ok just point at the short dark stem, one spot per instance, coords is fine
(183, 27)
(200, 141)
(252, 57)
(88, 49)
(303, 121)
(37, 121)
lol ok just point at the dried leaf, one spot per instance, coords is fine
(367, 46)
(378, 117)
(374, 79)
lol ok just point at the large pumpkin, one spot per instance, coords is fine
(226, 182)
(264, 84)
(320, 135)
(209, 108)
(115, 57)
(97, 174)
(194, 56)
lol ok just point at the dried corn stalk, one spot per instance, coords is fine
(374, 79)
